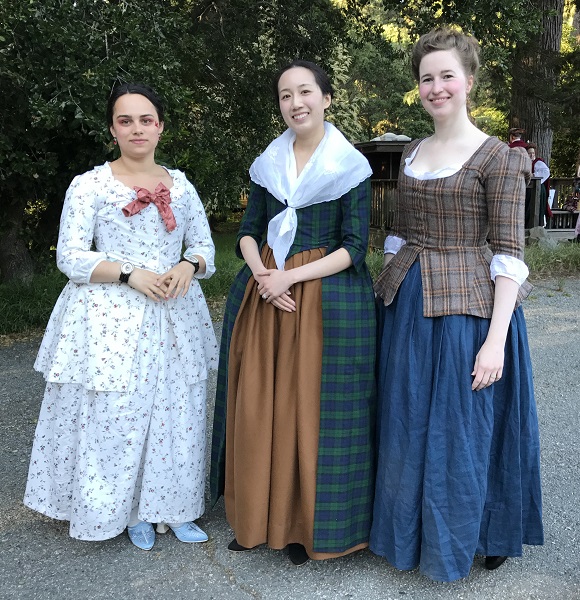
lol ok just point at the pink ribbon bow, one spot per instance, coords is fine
(161, 197)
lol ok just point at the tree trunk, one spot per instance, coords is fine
(535, 74)
(15, 260)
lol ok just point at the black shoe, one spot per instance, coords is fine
(298, 554)
(235, 547)
(493, 562)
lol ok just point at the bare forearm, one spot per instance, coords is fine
(106, 272)
(329, 265)
(506, 292)
(488, 367)
(251, 254)
(142, 280)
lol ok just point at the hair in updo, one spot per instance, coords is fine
(444, 38)
(134, 88)
(320, 76)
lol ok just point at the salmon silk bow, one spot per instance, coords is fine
(161, 197)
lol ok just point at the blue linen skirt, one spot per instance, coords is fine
(458, 470)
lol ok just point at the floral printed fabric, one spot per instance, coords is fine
(122, 423)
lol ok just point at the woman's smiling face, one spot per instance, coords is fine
(301, 101)
(443, 84)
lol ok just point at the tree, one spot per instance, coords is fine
(211, 60)
(244, 44)
(59, 60)
(535, 70)
(520, 47)
(565, 113)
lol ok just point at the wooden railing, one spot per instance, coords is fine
(382, 210)
(564, 187)
(561, 225)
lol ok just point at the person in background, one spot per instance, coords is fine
(120, 441)
(516, 138)
(293, 437)
(458, 469)
(540, 169)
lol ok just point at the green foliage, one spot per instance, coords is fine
(227, 265)
(563, 260)
(345, 109)
(59, 61)
(27, 307)
(382, 76)
(491, 120)
(213, 63)
(375, 262)
(500, 24)
(566, 115)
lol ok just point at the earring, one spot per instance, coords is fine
(115, 141)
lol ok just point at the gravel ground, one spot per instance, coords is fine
(40, 561)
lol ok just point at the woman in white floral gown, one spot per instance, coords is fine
(120, 441)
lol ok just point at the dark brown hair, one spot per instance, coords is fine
(134, 88)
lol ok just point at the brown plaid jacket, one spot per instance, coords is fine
(454, 226)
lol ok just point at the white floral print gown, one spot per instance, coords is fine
(122, 423)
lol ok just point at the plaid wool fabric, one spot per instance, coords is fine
(345, 473)
(454, 225)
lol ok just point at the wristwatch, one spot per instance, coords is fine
(126, 270)
(192, 261)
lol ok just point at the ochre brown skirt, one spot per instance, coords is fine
(273, 416)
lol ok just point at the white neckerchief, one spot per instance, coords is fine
(335, 168)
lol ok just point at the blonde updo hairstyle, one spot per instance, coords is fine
(444, 38)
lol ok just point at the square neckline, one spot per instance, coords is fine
(430, 175)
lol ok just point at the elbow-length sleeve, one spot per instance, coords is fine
(198, 238)
(74, 256)
(505, 193)
(255, 217)
(505, 185)
(356, 208)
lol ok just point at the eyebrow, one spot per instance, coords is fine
(442, 72)
(131, 116)
(300, 86)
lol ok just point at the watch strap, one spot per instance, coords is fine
(195, 264)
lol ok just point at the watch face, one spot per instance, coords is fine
(127, 268)
(194, 260)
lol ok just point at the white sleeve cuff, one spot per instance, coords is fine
(78, 265)
(393, 244)
(207, 255)
(510, 267)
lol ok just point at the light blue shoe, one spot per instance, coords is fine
(189, 533)
(142, 535)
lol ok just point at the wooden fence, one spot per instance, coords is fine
(561, 225)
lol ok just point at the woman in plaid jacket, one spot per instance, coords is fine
(293, 434)
(458, 447)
